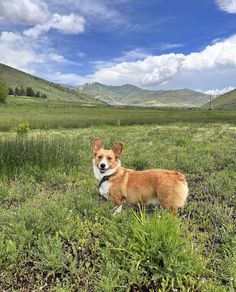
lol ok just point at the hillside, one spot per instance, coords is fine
(13, 77)
(225, 101)
(96, 93)
(132, 95)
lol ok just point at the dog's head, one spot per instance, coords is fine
(106, 159)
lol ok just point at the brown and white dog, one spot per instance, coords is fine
(121, 185)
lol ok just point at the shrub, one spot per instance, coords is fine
(23, 129)
(155, 249)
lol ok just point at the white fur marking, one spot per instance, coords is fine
(99, 175)
(104, 161)
(104, 189)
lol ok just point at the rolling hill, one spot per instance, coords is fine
(224, 101)
(96, 93)
(13, 77)
(132, 95)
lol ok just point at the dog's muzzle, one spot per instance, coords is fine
(103, 167)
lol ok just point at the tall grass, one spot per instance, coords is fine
(38, 153)
(57, 233)
(156, 251)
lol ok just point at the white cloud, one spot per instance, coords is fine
(81, 54)
(67, 24)
(151, 70)
(18, 51)
(35, 12)
(219, 91)
(166, 66)
(102, 11)
(222, 53)
(24, 11)
(15, 51)
(133, 55)
(227, 5)
(58, 58)
(168, 46)
(68, 78)
(127, 56)
(218, 59)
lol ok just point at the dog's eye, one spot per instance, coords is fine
(100, 157)
(109, 158)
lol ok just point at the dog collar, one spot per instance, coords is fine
(105, 178)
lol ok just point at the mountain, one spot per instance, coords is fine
(132, 95)
(13, 77)
(96, 93)
(225, 101)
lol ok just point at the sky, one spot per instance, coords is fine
(153, 44)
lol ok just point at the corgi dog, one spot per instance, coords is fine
(126, 186)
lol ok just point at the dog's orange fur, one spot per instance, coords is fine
(166, 187)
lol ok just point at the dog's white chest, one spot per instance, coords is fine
(104, 189)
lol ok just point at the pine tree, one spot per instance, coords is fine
(17, 91)
(10, 91)
(38, 94)
(22, 91)
(29, 91)
(3, 92)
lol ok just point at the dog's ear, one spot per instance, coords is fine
(96, 145)
(117, 149)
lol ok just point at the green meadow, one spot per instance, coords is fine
(63, 114)
(58, 234)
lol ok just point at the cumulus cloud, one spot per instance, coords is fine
(156, 70)
(17, 50)
(94, 11)
(67, 24)
(35, 12)
(24, 11)
(228, 6)
(222, 53)
(68, 78)
(164, 68)
(149, 71)
(216, 92)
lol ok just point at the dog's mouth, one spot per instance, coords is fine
(102, 170)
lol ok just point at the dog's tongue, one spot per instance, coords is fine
(102, 170)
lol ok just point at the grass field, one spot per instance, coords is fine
(57, 234)
(68, 115)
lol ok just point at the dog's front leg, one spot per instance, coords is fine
(117, 209)
(118, 200)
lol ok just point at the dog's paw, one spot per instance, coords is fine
(117, 210)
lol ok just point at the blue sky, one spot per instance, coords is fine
(161, 44)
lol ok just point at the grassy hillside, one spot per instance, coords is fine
(101, 92)
(13, 77)
(57, 234)
(170, 98)
(225, 101)
(132, 95)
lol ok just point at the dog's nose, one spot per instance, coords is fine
(102, 165)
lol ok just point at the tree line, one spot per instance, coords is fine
(3, 92)
(28, 91)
